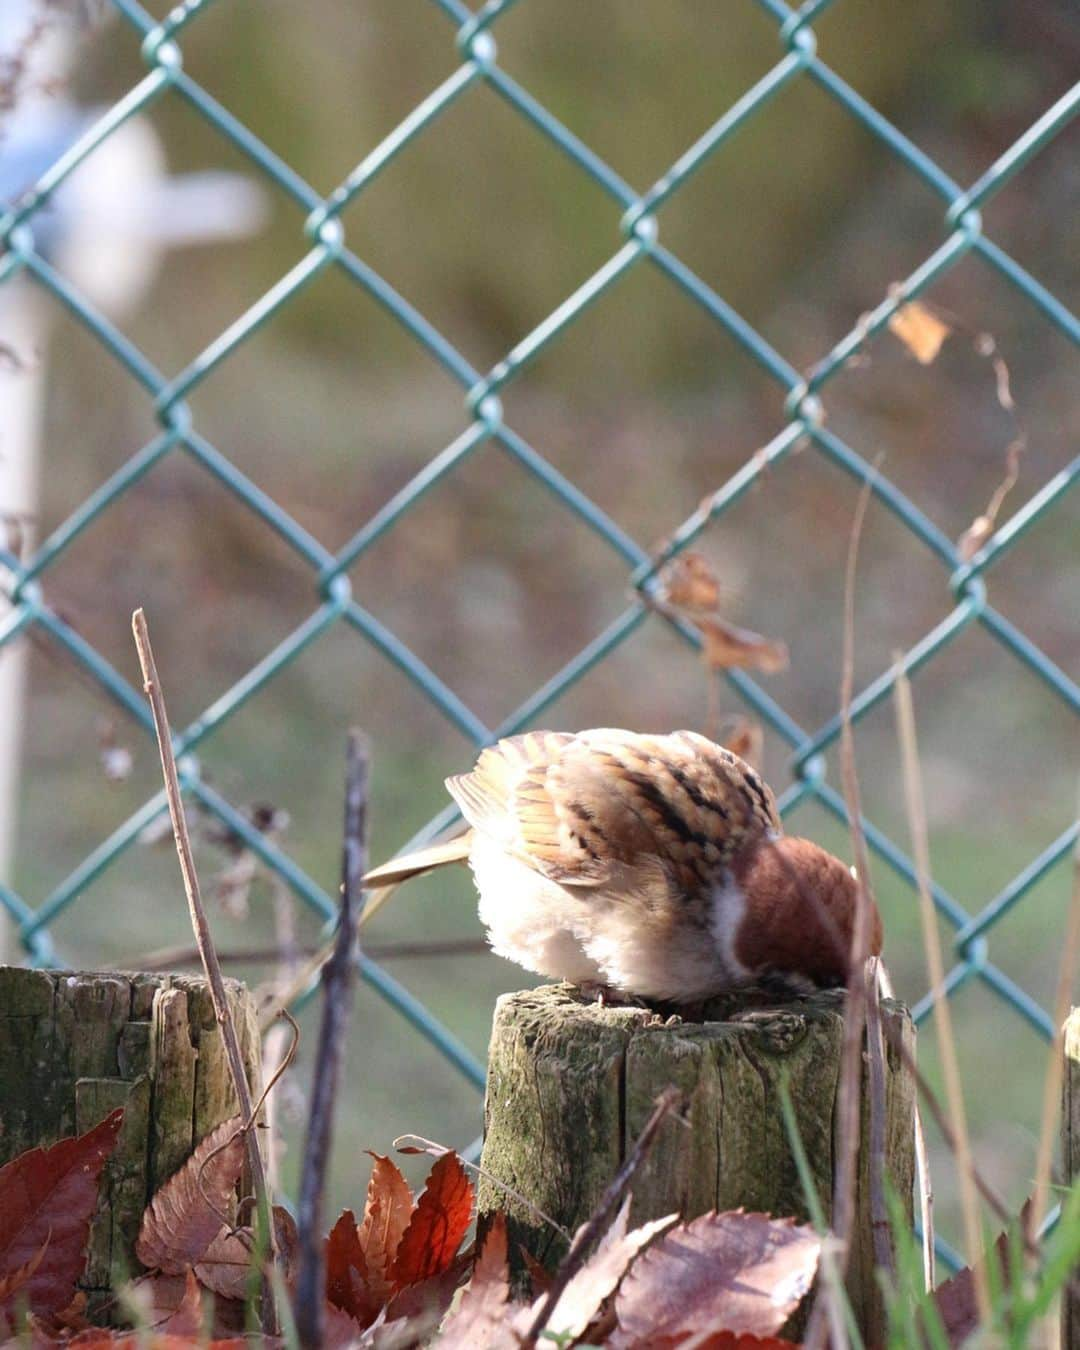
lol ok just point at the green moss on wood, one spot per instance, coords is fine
(74, 1047)
(571, 1085)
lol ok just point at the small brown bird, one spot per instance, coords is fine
(650, 865)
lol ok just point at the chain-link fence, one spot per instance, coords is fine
(638, 216)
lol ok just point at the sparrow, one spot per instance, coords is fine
(651, 865)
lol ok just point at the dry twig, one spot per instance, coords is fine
(338, 978)
(168, 958)
(215, 979)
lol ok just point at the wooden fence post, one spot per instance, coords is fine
(75, 1047)
(571, 1084)
(1070, 1157)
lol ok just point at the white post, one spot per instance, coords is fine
(22, 335)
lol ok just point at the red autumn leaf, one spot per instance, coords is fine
(540, 1278)
(439, 1222)
(187, 1320)
(480, 1322)
(387, 1212)
(346, 1271)
(736, 1272)
(185, 1215)
(47, 1199)
(14, 1280)
(340, 1331)
(419, 1308)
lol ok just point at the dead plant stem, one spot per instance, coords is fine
(268, 1319)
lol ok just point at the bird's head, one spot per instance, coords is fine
(801, 907)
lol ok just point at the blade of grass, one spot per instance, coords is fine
(916, 813)
(839, 1305)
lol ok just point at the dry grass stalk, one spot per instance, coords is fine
(855, 1010)
(215, 979)
(916, 812)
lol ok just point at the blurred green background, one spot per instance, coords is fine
(802, 221)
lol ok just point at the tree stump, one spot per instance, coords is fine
(75, 1047)
(1070, 1157)
(571, 1084)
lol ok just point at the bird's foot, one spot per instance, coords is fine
(606, 996)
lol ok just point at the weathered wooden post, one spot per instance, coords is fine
(1070, 1157)
(571, 1084)
(75, 1047)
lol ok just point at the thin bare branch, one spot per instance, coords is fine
(267, 1309)
(168, 958)
(338, 979)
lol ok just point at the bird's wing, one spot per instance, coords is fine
(580, 809)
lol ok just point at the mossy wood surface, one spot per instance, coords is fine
(1070, 1156)
(73, 1047)
(571, 1084)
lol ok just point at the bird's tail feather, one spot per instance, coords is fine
(386, 879)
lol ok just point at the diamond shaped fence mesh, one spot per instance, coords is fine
(335, 604)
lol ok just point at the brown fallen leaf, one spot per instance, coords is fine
(955, 1297)
(480, 1322)
(187, 1320)
(225, 1266)
(726, 647)
(418, 1309)
(734, 1272)
(920, 330)
(540, 1277)
(387, 1211)
(717, 1340)
(580, 1301)
(690, 582)
(744, 737)
(437, 1225)
(184, 1216)
(47, 1198)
